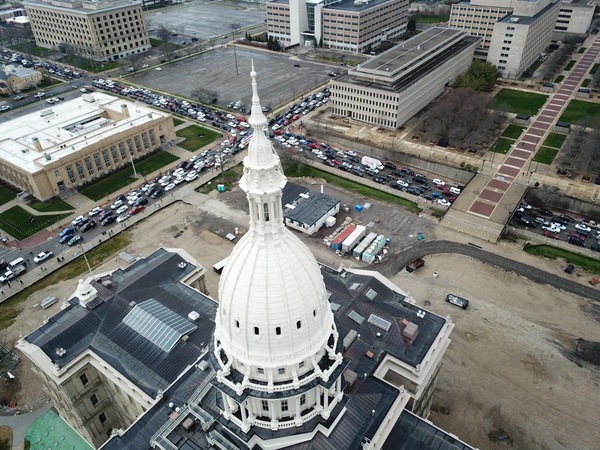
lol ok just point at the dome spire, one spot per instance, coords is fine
(263, 178)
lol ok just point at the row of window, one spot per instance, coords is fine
(277, 329)
(283, 404)
(105, 161)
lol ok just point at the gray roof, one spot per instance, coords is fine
(101, 329)
(348, 292)
(308, 211)
(291, 193)
(349, 5)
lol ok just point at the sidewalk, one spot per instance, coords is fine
(19, 423)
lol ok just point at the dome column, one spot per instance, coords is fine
(227, 412)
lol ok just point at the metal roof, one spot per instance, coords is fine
(308, 211)
(102, 330)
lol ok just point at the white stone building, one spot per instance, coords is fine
(100, 30)
(392, 87)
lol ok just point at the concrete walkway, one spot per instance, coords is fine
(19, 423)
(513, 168)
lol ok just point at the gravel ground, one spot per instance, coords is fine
(507, 367)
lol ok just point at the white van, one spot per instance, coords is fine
(16, 263)
(455, 190)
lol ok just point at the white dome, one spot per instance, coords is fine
(273, 307)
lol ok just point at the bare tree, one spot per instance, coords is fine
(163, 33)
(204, 95)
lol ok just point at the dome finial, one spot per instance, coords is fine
(257, 118)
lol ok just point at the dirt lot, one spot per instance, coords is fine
(507, 370)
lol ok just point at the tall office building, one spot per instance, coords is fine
(348, 25)
(100, 30)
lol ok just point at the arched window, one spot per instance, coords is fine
(266, 211)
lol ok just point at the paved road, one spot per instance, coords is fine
(424, 248)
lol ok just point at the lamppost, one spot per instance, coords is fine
(131, 159)
(86, 260)
(234, 27)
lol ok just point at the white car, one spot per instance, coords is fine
(116, 204)
(77, 220)
(4, 108)
(178, 180)
(438, 182)
(95, 211)
(560, 226)
(159, 69)
(552, 228)
(582, 227)
(350, 153)
(145, 66)
(444, 202)
(123, 217)
(191, 176)
(122, 209)
(402, 183)
(169, 186)
(43, 256)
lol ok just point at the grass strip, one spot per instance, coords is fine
(547, 251)
(297, 170)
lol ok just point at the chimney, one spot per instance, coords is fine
(124, 110)
(37, 144)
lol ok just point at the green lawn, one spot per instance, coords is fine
(518, 102)
(88, 64)
(54, 204)
(196, 137)
(594, 68)
(547, 251)
(154, 162)
(559, 78)
(545, 155)
(570, 65)
(555, 140)
(21, 224)
(229, 178)
(586, 82)
(30, 48)
(581, 50)
(296, 170)
(177, 121)
(155, 42)
(6, 194)
(579, 111)
(502, 145)
(513, 131)
(109, 184)
(124, 177)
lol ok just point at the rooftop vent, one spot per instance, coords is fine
(61, 352)
(193, 316)
(132, 304)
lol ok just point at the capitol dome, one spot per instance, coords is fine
(274, 325)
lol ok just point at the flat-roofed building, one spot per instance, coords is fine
(348, 25)
(16, 78)
(112, 350)
(521, 37)
(574, 17)
(305, 211)
(391, 88)
(478, 17)
(100, 30)
(72, 143)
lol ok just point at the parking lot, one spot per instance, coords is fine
(206, 20)
(215, 71)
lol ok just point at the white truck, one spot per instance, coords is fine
(372, 163)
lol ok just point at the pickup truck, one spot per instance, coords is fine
(415, 264)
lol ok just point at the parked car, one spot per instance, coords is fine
(551, 235)
(74, 240)
(88, 226)
(43, 256)
(457, 301)
(67, 231)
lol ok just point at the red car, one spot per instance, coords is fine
(278, 132)
(136, 209)
(550, 234)
(313, 145)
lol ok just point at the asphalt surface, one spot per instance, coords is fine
(206, 20)
(424, 248)
(215, 71)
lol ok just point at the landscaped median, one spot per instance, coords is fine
(550, 148)
(519, 102)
